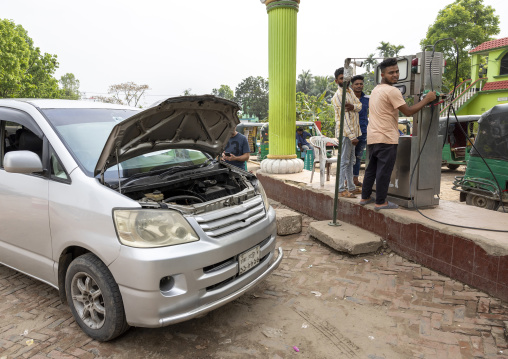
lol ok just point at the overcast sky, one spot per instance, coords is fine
(175, 45)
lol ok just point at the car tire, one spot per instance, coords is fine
(474, 200)
(94, 298)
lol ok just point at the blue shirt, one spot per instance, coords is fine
(301, 139)
(238, 145)
(364, 117)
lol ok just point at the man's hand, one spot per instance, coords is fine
(431, 96)
(355, 141)
(349, 107)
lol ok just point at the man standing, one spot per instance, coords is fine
(383, 136)
(350, 134)
(237, 151)
(301, 140)
(357, 86)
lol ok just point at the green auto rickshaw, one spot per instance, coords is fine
(480, 186)
(456, 146)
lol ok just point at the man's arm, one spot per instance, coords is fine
(410, 111)
(242, 158)
(357, 105)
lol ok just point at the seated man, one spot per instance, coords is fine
(301, 140)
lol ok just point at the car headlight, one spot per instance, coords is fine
(261, 191)
(149, 228)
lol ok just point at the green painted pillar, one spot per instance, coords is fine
(282, 16)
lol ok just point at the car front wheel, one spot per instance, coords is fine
(94, 298)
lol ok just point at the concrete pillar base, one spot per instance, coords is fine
(282, 166)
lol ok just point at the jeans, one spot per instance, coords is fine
(347, 160)
(304, 150)
(359, 148)
(381, 161)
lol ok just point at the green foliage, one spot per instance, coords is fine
(470, 23)
(304, 82)
(187, 92)
(224, 91)
(388, 50)
(314, 108)
(368, 82)
(252, 95)
(24, 70)
(370, 63)
(70, 87)
(324, 84)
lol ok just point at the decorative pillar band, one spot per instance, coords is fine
(273, 4)
(280, 157)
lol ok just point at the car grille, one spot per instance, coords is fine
(226, 220)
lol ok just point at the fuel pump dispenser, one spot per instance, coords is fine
(416, 176)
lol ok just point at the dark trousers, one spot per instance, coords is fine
(359, 148)
(381, 161)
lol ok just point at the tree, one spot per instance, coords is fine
(389, 50)
(252, 96)
(314, 108)
(187, 92)
(224, 91)
(128, 93)
(24, 70)
(324, 84)
(396, 49)
(470, 23)
(385, 49)
(304, 82)
(70, 87)
(370, 63)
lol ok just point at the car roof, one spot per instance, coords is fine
(58, 103)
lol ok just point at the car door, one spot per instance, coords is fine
(25, 239)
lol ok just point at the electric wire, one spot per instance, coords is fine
(468, 138)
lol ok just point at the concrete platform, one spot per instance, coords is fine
(345, 238)
(478, 258)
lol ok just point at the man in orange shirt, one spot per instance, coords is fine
(383, 134)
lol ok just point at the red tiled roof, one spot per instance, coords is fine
(489, 45)
(496, 85)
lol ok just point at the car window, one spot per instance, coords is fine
(85, 132)
(58, 172)
(17, 137)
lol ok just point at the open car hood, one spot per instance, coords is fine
(203, 123)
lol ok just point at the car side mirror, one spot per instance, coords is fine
(22, 162)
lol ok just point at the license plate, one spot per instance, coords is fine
(248, 259)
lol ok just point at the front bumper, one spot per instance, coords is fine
(204, 275)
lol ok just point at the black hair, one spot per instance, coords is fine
(357, 77)
(391, 61)
(299, 129)
(339, 71)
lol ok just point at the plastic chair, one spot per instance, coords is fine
(319, 144)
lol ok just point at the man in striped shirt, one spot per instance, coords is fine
(350, 133)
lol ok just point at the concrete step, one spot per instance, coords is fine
(346, 237)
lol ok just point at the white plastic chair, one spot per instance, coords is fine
(319, 143)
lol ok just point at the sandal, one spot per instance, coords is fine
(390, 205)
(367, 201)
(346, 194)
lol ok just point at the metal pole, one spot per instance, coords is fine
(337, 173)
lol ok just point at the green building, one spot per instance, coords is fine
(487, 88)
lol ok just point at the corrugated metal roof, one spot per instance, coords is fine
(494, 44)
(496, 85)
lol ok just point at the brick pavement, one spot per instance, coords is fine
(431, 316)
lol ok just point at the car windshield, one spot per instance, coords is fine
(85, 132)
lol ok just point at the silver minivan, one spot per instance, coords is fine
(128, 213)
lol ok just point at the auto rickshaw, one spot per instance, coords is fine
(480, 186)
(251, 130)
(457, 146)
